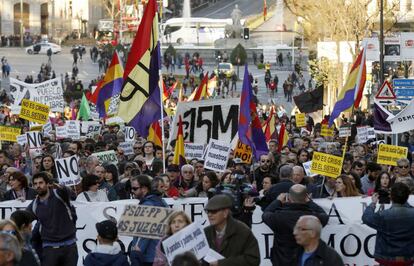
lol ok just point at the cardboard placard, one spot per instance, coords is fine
(244, 152)
(34, 139)
(327, 131)
(217, 155)
(61, 132)
(22, 139)
(307, 166)
(35, 112)
(88, 126)
(106, 156)
(365, 133)
(300, 120)
(390, 154)
(194, 151)
(326, 164)
(68, 170)
(344, 132)
(47, 128)
(127, 147)
(9, 133)
(144, 221)
(129, 134)
(73, 129)
(190, 238)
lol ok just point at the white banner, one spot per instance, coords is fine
(49, 93)
(68, 170)
(193, 151)
(353, 240)
(202, 120)
(407, 46)
(106, 156)
(217, 155)
(372, 46)
(404, 120)
(73, 129)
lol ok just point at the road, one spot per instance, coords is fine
(23, 65)
(223, 8)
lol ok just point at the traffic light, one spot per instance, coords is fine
(246, 33)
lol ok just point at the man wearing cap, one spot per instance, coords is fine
(229, 237)
(107, 252)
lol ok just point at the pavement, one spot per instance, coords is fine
(23, 64)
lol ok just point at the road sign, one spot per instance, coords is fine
(403, 83)
(385, 92)
(404, 90)
(386, 102)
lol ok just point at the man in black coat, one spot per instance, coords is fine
(283, 186)
(281, 216)
(313, 251)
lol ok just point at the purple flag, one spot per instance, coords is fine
(380, 119)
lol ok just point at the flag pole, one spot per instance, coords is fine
(160, 85)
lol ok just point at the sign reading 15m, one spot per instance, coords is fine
(202, 120)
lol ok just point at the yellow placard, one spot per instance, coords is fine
(34, 111)
(326, 164)
(327, 131)
(9, 133)
(300, 120)
(390, 154)
(244, 152)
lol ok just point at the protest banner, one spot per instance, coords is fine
(193, 151)
(327, 131)
(390, 154)
(144, 221)
(190, 238)
(33, 111)
(73, 129)
(326, 164)
(217, 155)
(106, 156)
(202, 120)
(300, 120)
(34, 139)
(47, 128)
(345, 232)
(49, 93)
(244, 152)
(61, 132)
(9, 133)
(22, 139)
(68, 170)
(344, 132)
(129, 134)
(127, 147)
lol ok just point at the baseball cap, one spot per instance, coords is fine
(107, 229)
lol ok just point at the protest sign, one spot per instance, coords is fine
(326, 164)
(202, 120)
(365, 133)
(35, 126)
(106, 156)
(88, 126)
(327, 131)
(300, 120)
(389, 154)
(9, 133)
(144, 221)
(244, 152)
(73, 129)
(68, 170)
(127, 147)
(190, 238)
(33, 111)
(22, 139)
(344, 132)
(34, 139)
(307, 166)
(194, 151)
(61, 132)
(115, 120)
(345, 232)
(129, 134)
(217, 155)
(47, 128)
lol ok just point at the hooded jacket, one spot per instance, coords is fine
(106, 255)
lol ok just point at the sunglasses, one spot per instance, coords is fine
(212, 211)
(403, 166)
(10, 232)
(135, 188)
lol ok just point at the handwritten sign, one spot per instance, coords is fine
(9, 133)
(300, 120)
(144, 221)
(106, 156)
(390, 154)
(344, 132)
(190, 238)
(326, 164)
(35, 112)
(193, 150)
(244, 152)
(327, 131)
(217, 155)
(68, 170)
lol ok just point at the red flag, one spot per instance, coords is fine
(283, 137)
(264, 9)
(202, 91)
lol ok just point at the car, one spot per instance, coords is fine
(226, 68)
(42, 47)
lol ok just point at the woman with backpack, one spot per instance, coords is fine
(90, 191)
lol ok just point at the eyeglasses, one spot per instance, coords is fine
(135, 188)
(403, 166)
(10, 232)
(265, 161)
(137, 148)
(212, 211)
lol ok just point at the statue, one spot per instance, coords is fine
(234, 31)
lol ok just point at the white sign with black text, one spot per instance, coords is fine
(129, 134)
(34, 139)
(68, 170)
(61, 132)
(73, 129)
(194, 151)
(127, 147)
(217, 155)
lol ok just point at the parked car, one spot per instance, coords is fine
(226, 68)
(42, 47)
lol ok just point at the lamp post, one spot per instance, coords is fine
(21, 23)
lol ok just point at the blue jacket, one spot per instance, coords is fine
(146, 246)
(395, 235)
(101, 259)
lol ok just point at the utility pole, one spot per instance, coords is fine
(381, 43)
(21, 23)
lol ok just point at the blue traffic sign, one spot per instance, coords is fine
(403, 92)
(403, 83)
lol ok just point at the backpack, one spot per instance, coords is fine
(71, 210)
